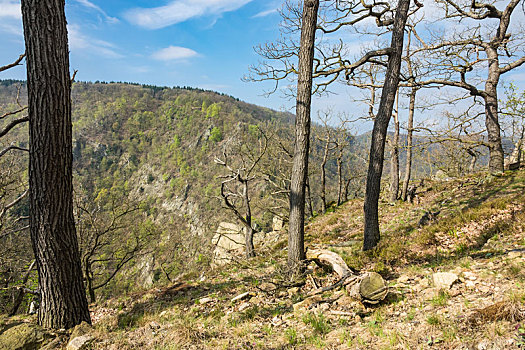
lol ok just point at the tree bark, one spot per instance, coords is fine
(340, 177)
(379, 131)
(410, 132)
(250, 249)
(296, 252)
(323, 172)
(496, 158)
(309, 197)
(52, 225)
(394, 161)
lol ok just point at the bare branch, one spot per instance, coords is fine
(14, 64)
(13, 124)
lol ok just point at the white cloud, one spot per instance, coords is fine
(174, 53)
(178, 11)
(265, 13)
(11, 18)
(90, 5)
(10, 9)
(80, 41)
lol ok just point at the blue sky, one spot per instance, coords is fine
(199, 43)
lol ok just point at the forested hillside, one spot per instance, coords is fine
(147, 183)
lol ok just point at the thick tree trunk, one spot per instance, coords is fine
(394, 162)
(296, 252)
(491, 114)
(377, 147)
(52, 226)
(410, 132)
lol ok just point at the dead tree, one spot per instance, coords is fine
(242, 175)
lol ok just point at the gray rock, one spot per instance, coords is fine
(242, 296)
(444, 280)
(80, 343)
(228, 242)
(277, 224)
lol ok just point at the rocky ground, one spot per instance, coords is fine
(455, 282)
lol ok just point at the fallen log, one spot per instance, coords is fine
(328, 258)
(368, 287)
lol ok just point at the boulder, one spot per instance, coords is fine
(306, 304)
(228, 242)
(24, 336)
(81, 329)
(80, 343)
(444, 280)
(277, 224)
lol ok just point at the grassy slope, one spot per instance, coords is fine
(479, 235)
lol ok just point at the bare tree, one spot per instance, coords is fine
(242, 175)
(410, 143)
(109, 236)
(52, 226)
(14, 240)
(492, 46)
(394, 155)
(296, 253)
(513, 111)
(377, 147)
(328, 146)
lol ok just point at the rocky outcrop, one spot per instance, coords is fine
(228, 242)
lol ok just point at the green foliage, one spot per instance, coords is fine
(318, 322)
(216, 134)
(291, 336)
(433, 320)
(213, 110)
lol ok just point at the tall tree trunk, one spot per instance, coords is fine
(52, 225)
(250, 249)
(347, 188)
(394, 161)
(309, 197)
(473, 160)
(296, 253)
(410, 132)
(340, 178)
(377, 147)
(491, 113)
(323, 173)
